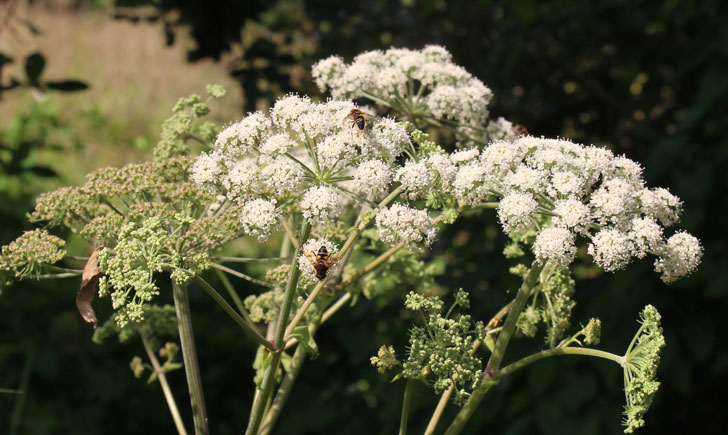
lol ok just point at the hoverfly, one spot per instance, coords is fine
(520, 130)
(357, 119)
(321, 261)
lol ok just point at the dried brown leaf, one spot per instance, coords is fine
(89, 285)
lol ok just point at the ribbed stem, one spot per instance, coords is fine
(294, 273)
(189, 355)
(405, 407)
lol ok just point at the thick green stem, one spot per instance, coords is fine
(523, 362)
(498, 352)
(271, 417)
(405, 407)
(249, 328)
(171, 404)
(189, 355)
(269, 377)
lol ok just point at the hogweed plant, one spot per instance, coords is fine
(329, 194)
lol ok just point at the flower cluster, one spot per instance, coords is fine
(181, 126)
(420, 84)
(560, 191)
(28, 253)
(402, 224)
(303, 157)
(440, 350)
(640, 369)
(552, 306)
(141, 251)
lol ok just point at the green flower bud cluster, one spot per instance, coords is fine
(440, 351)
(640, 369)
(386, 359)
(141, 251)
(266, 306)
(28, 253)
(158, 322)
(178, 128)
(552, 305)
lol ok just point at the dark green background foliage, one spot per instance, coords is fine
(647, 79)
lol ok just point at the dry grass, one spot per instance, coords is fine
(134, 80)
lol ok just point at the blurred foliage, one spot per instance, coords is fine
(644, 78)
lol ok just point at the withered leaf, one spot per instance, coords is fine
(89, 284)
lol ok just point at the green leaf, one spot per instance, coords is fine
(397, 377)
(34, 65)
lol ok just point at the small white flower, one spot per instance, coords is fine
(515, 212)
(500, 157)
(206, 170)
(611, 249)
(646, 235)
(259, 217)
(526, 179)
(336, 150)
(661, 204)
(680, 257)
(400, 223)
(328, 72)
(470, 184)
(240, 138)
(372, 179)
(501, 129)
(390, 137)
(463, 156)
(556, 246)
(282, 176)
(322, 204)
(416, 178)
(243, 180)
(278, 143)
(567, 183)
(572, 214)
(444, 167)
(613, 201)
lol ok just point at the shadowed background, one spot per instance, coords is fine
(643, 78)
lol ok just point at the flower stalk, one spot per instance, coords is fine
(189, 354)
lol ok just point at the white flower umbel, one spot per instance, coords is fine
(572, 214)
(304, 156)
(646, 235)
(372, 179)
(515, 212)
(680, 257)
(400, 223)
(322, 204)
(661, 204)
(611, 249)
(416, 179)
(259, 217)
(556, 246)
(205, 172)
(312, 247)
(428, 76)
